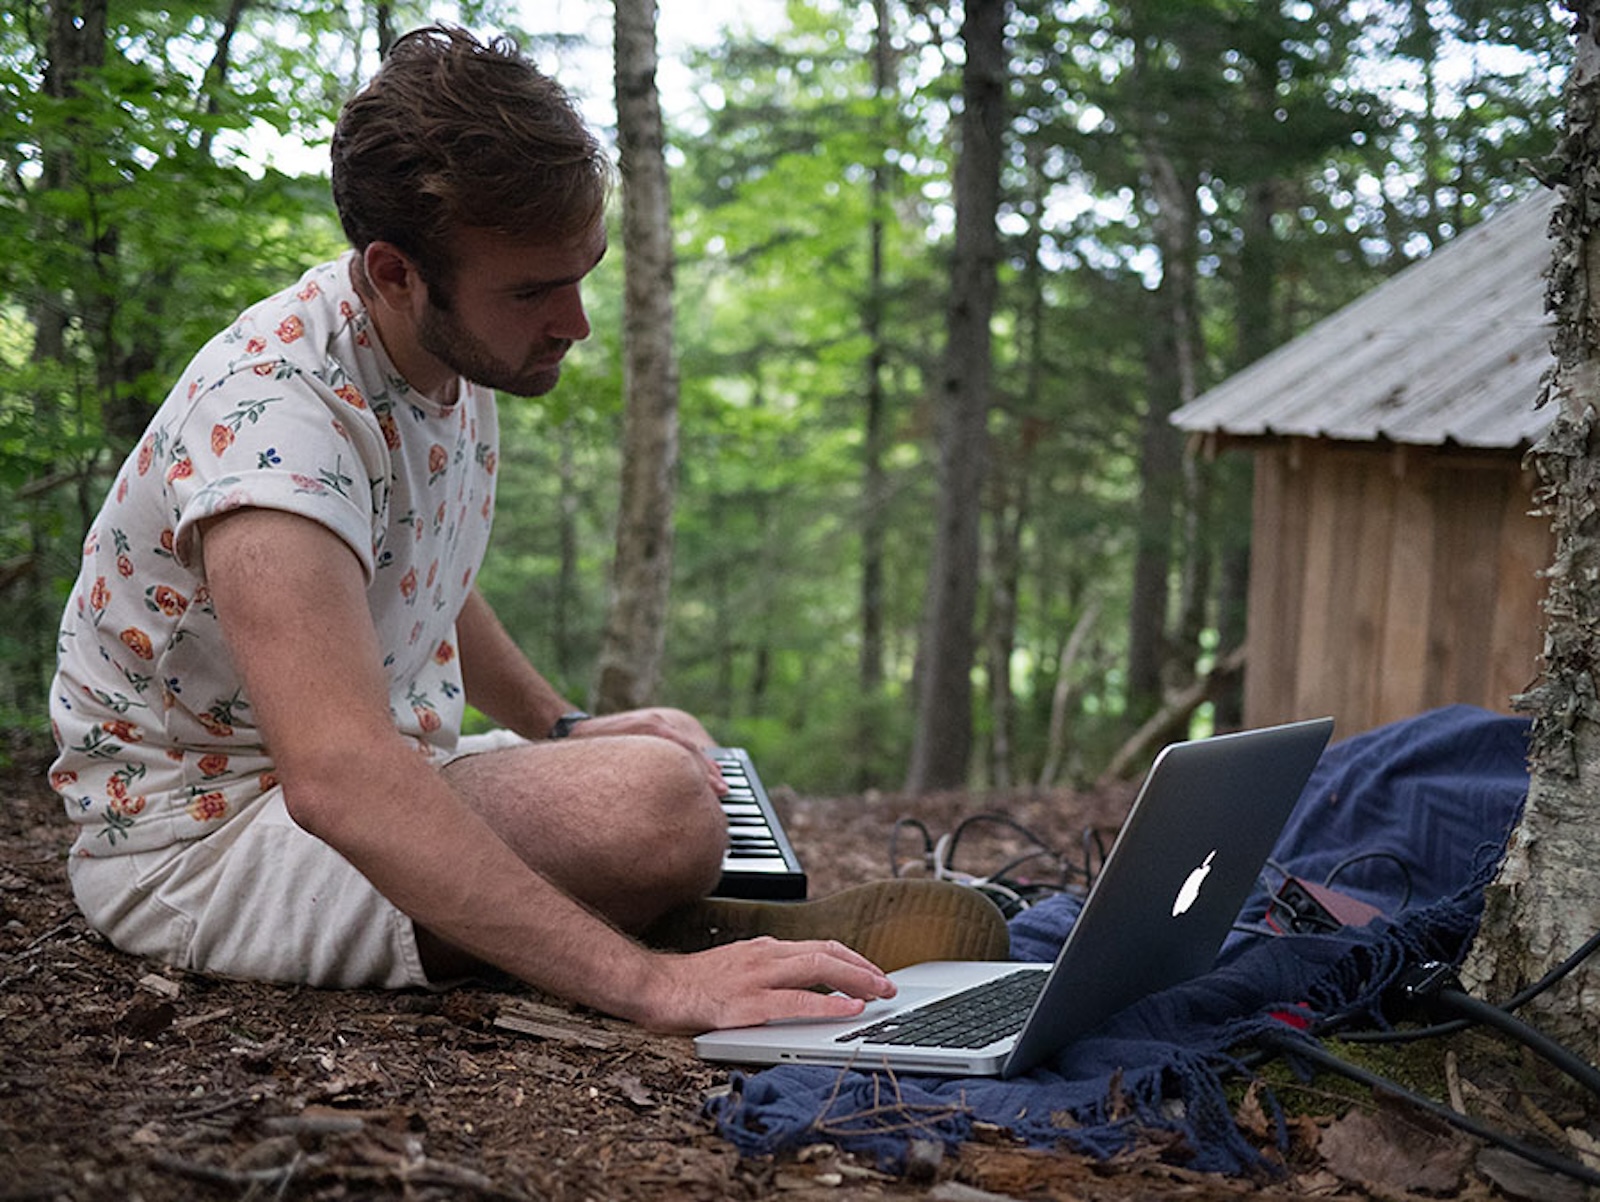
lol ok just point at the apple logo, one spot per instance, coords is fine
(1191, 886)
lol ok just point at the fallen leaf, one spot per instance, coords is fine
(1364, 1148)
(1252, 1116)
(1585, 1145)
(1519, 1178)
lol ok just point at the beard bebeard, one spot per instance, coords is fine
(442, 334)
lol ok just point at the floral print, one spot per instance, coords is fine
(293, 407)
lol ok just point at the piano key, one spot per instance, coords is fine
(759, 862)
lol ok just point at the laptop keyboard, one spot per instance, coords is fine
(973, 1018)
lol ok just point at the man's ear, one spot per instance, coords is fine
(393, 275)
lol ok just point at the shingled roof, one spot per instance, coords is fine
(1449, 350)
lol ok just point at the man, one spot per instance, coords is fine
(265, 663)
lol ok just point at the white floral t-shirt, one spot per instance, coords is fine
(294, 407)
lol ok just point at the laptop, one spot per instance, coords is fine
(1183, 866)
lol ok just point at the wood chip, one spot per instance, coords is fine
(557, 1033)
(954, 1191)
(200, 1020)
(160, 985)
(633, 1089)
(313, 1121)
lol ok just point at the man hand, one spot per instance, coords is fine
(661, 722)
(757, 981)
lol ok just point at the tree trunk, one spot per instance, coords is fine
(1009, 516)
(1176, 710)
(1011, 484)
(1257, 325)
(1422, 43)
(75, 45)
(1061, 695)
(1546, 900)
(1171, 371)
(1231, 478)
(875, 436)
(567, 539)
(635, 636)
(943, 740)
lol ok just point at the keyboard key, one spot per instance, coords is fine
(973, 1018)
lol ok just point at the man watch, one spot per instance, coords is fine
(565, 723)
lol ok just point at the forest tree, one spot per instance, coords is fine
(1546, 900)
(943, 740)
(641, 575)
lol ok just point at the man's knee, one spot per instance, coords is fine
(686, 823)
(629, 824)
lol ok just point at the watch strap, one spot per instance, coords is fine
(564, 724)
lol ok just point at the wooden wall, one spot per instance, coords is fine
(1389, 580)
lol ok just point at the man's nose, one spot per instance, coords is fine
(568, 319)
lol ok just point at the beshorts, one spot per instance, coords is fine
(259, 899)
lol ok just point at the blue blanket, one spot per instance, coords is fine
(1412, 818)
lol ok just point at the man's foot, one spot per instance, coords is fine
(892, 923)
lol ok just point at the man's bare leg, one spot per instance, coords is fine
(628, 825)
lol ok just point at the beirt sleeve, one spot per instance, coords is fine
(282, 441)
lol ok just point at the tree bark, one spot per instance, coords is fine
(75, 46)
(1176, 710)
(875, 434)
(942, 743)
(1172, 373)
(567, 540)
(1061, 695)
(1009, 516)
(1546, 899)
(635, 635)
(1011, 481)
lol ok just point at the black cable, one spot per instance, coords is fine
(894, 843)
(1287, 1045)
(1013, 897)
(1405, 871)
(1093, 847)
(1585, 950)
(1432, 987)
(1002, 820)
(1040, 849)
(1471, 1009)
(999, 820)
(1512, 1004)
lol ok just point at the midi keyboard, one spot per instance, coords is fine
(759, 863)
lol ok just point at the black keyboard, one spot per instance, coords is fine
(759, 863)
(973, 1018)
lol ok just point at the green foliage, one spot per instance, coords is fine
(141, 211)
(139, 215)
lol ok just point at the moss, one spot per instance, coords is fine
(1418, 1067)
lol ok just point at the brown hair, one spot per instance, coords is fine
(453, 133)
